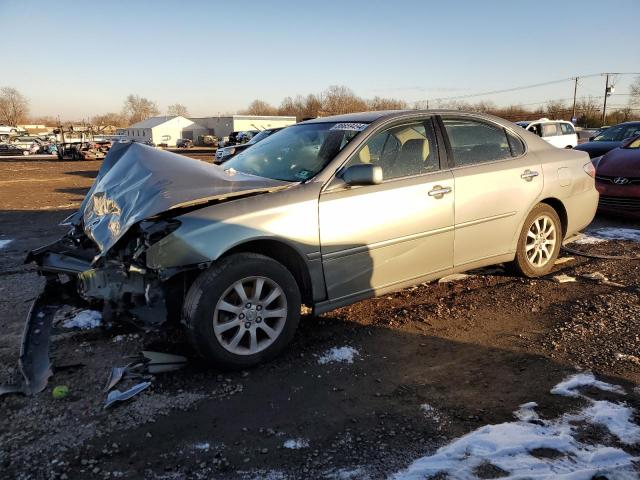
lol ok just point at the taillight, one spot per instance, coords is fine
(590, 170)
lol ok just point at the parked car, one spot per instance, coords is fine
(6, 149)
(325, 213)
(32, 144)
(7, 131)
(184, 143)
(236, 138)
(558, 133)
(610, 138)
(618, 179)
(225, 153)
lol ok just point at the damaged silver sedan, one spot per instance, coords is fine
(324, 213)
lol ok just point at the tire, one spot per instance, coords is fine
(217, 317)
(534, 257)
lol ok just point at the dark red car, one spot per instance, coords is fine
(618, 180)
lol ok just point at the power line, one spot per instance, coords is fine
(526, 87)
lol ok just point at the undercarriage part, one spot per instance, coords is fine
(34, 362)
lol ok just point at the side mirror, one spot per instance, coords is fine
(591, 139)
(363, 174)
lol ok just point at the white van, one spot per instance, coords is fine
(558, 133)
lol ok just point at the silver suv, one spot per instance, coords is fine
(323, 213)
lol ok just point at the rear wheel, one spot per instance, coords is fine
(539, 242)
(243, 310)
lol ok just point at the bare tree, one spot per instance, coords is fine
(177, 109)
(379, 103)
(260, 107)
(556, 109)
(109, 119)
(14, 107)
(137, 108)
(634, 92)
(338, 99)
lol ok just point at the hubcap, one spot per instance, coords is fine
(541, 241)
(250, 315)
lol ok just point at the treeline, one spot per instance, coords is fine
(337, 100)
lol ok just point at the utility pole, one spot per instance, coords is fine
(575, 91)
(604, 107)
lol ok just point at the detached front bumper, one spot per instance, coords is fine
(71, 278)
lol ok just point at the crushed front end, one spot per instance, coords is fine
(101, 261)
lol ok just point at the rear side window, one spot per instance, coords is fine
(474, 142)
(516, 145)
(550, 129)
(567, 129)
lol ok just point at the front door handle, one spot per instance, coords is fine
(439, 191)
(529, 175)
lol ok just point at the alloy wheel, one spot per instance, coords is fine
(541, 241)
(250, 315)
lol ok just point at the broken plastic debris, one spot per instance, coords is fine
(454, 277)
(562, 260)
(159, 362)
(118, 396)
(596, 276)
(563, 278)
(116, 374)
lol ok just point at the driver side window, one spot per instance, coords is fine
(401, 151)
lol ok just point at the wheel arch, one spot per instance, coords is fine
(560, 209)
(285, 254)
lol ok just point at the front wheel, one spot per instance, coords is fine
(539, 242)
(243, 310)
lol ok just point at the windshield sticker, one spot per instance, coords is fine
(356, 127)
(303, 174)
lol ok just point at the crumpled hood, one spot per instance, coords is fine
(620, 162)
(136, 182)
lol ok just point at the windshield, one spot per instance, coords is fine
(618, 133)
(296, 153)
(260, 136)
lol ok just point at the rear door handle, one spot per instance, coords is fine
(439, 191)
(529, 175)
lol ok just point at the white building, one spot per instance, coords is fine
(222, 126)
(163, 130)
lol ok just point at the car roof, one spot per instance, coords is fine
(372, 116)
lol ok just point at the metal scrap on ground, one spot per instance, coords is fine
(118, 396)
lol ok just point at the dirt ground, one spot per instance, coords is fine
(474, 350)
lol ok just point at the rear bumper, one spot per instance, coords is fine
(581, 208)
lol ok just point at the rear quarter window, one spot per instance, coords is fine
(567, 129)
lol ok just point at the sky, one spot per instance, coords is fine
(78, 59)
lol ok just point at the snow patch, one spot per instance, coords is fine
(4, 243)
(296, 443)
(604, 234)
(84, 320)
(338, 354)
(569, 387)
(512, 446)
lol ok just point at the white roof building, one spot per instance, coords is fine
(222, 126)
(165, 130)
